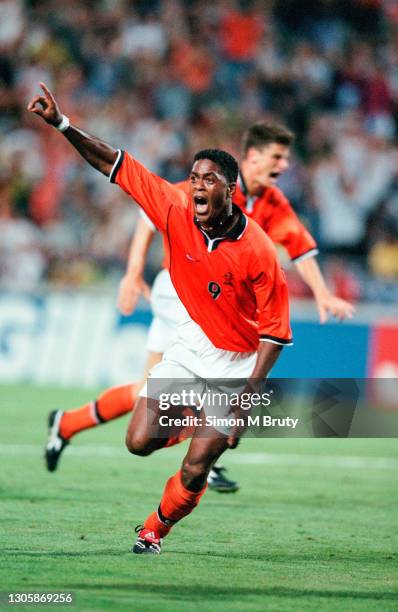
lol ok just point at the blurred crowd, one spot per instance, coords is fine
(164, 78)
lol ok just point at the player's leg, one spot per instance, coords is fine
(218, 481)
(191, 355)
(144, 435)
(137, 438)
(168, 313)
(111, 404)
(183, 491)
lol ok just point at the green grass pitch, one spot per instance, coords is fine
(314, 526)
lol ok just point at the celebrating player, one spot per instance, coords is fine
(265, 156)
(226, 273)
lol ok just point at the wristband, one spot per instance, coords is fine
(65, 123)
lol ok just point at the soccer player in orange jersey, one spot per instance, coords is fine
(265, 156)
(226, 273)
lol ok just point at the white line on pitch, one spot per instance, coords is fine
(237, 457)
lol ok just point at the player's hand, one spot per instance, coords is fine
(130, 289)
(241, 418)
(46, 107)
(242, 410)
(329, 305)
(237, 431)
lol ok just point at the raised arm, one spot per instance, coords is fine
(97, 153)
(132, 284)
(153, 194)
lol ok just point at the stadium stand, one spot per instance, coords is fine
(165, 78)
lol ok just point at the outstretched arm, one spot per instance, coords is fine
(132, 284)
(153, 194)
(327, 303)
(98, 154)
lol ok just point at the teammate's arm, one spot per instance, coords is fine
(132, 284)
(327, 303)
(285, 228)
(96, 152)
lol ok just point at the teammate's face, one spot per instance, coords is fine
(261, 168)
(210, 191)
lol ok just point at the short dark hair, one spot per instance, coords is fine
(228, 164)
(261, 134)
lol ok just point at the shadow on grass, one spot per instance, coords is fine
(40, 554)
(214, 592)
(270, 557)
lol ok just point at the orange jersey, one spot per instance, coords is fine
(231, 286)
(275, 215)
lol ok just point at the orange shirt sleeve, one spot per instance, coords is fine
(271, 292)
(284, 227)
(153, 194)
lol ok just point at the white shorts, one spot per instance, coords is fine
(191, 364)
(167, 311)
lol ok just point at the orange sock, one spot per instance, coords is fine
(111, 404)
(176, 503)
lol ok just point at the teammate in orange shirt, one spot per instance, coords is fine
(225, 271)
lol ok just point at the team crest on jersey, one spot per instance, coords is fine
(214, 289)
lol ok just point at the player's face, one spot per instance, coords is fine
(261, 168)
(209, 191)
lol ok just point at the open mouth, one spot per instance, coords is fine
(273, 175)
(201, 205)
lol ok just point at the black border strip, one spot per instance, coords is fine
(116, 166)
(276, 340)
(235, 233)
(164, 520)
(97, 414)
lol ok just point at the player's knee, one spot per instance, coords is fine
(138, 445)
(194, 475)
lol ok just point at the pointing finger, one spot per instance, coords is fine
(46, 90)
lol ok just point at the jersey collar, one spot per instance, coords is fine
(235, 233)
